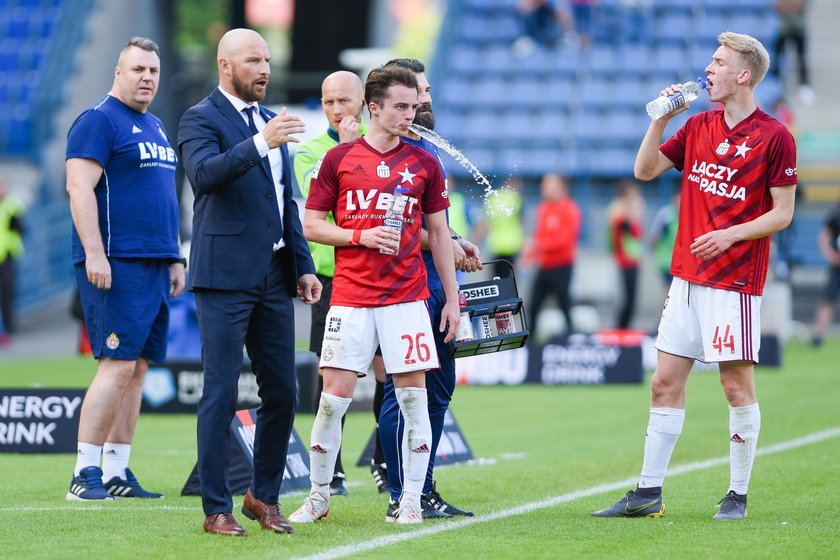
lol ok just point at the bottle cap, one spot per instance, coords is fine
(703, 83)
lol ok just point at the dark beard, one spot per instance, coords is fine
(245, 91)
(426, 120)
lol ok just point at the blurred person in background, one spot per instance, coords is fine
(625, 216)
(829, 244)
(739, 177)
(501, 226)
(663, 235)
(792, 14)
(342, 100)
(543, 23)
(11, 249)
(121, 182)
(553, 248)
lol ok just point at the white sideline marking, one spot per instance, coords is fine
(378, 542)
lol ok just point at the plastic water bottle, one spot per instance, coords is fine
(465, 328)
(394, 217)
(665, 104)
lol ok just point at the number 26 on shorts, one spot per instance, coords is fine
(417, 350)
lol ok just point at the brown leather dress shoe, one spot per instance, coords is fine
(223, 524)
(269, 515)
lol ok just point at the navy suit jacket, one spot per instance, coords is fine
(235, 216)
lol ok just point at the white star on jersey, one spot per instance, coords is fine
(407, 176)
(742, 149)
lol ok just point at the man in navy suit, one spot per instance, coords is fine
(248, 259)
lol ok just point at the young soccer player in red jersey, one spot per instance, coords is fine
(739, 179)
(380, 283)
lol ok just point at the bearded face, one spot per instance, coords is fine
(248, 90)
(424, 116)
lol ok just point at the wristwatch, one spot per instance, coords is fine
(183, 261)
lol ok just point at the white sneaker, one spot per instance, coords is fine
(409, 512)
(316, 506)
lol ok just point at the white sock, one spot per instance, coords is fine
(744, 425)
(326, 440)
(417, 437)
(87, 455)
(664, 428)
(115, 460)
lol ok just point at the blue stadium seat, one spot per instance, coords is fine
(598, 93)
(633, 58)
(501, 58)
(564, 61)
(709, 25)
(673, 28)
(613, 162)
(526, 92)
(587, 127)
(625, 128)
(466, 59)
(454, 91)
(601, 60)
(561, 92)
(474, 28)
(670, 59)
(504, 26)
(9, 55)
(551, 126)
(517, 125)
(670, 6)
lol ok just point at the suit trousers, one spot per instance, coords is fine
(261, 319)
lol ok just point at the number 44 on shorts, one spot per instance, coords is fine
(725, 341)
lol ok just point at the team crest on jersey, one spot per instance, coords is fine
(112, 342)
(383, 171)
(317, 167)
(723, 148)
(162, 133)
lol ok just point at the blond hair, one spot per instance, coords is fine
(752, 53)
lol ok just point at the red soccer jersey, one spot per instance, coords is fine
(727, 176)
(356, 182)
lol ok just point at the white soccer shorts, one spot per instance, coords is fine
(709, 324)
(403, 331)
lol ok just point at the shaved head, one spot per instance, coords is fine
(343, 80)
(244, 64)
(235, 41)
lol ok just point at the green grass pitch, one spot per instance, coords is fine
(532, 443)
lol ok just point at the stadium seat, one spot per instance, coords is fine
(587, 127)
(598, 93)
(673, 28)
(551, 126)
(517, 125)
(466, 59)
(527, 92)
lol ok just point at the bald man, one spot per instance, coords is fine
(342, 99)
(248, 259)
